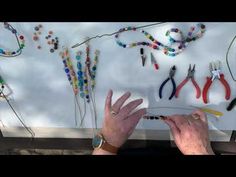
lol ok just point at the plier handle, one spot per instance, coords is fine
(215, 68)
(171, 75)
(190, 75)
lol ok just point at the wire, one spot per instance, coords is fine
(111, 34)
(183, 108)
(18, 43)
(18, 117)
(227, 62)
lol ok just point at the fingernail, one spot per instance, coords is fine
(162, 117)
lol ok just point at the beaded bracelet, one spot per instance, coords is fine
(20, 41)
(168, 50)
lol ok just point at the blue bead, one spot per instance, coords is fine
(78, 57)
(82, 95)
(67, 70)
(80, 73)
(1, 50)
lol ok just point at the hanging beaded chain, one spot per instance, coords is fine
(94, 69)
(199, 29)
(80, 74)
(68, 67)
(20, 41)
(87, 73)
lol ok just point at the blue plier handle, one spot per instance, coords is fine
(171, 75)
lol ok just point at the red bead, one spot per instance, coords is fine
(21, 37)
(156, 66)
(35, 38)
(50, 32)
(154, 46)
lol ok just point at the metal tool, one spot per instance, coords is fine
(171, 75)
(154, 62)
(190, 75)
(215, 69)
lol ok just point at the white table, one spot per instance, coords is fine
(43, 97)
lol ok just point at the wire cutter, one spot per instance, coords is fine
(171, 75)
(215, 69)
(190, 75)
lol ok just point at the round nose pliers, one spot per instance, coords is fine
(215, 68)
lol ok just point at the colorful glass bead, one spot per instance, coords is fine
(172, 51)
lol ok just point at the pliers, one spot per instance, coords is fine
(190, 75)
(215, 69)
(171, 75)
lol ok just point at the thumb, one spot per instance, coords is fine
(201, 115)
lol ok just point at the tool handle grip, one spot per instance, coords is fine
(231, 105)
(180, 86)
(226, 85)
(174, 89)
(205, 89)
(161, 87)
(198, 90)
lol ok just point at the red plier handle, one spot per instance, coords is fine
(226, 85)
(208, 84)
(198, 90)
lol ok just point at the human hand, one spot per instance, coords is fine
(120, 121)
(190, 133)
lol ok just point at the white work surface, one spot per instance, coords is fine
(44, 98)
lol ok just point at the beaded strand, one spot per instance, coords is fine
(94, 69)
(168, 50)
(80, 74)
(20, 41)
(68, 67)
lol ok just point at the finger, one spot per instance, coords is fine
(108, 101)
(130, 107)
(179, 120)
(200, 114)
(174, 129)
(118, 104)
(134, 118)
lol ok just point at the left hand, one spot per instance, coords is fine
(119, 126)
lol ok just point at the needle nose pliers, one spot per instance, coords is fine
(190, 75)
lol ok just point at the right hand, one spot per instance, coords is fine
(190, 133)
